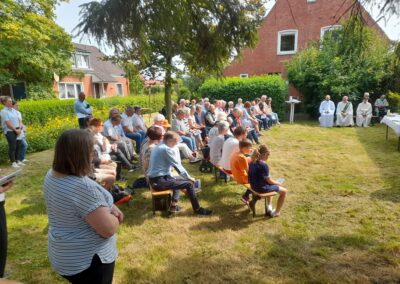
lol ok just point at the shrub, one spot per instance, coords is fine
(394, 101)
(184, 93)
(230, 89)
(39, 112)
(40, 92)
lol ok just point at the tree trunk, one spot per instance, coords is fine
(167, 90)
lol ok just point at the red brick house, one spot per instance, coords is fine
(92, 75)
(289, 27)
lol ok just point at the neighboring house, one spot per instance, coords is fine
(93, 75)
(289, 27)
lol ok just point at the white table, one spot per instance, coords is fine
(394, 123)
(292, 102)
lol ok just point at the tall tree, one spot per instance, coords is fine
(32, 46)
(203, 33)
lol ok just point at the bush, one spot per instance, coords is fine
(40, 92)
(39, 112)
(184, 93)
(394, 101)
(230, 89)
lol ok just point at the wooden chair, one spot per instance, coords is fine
(161, 200)
(256, 195)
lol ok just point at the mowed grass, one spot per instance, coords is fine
(340, 223)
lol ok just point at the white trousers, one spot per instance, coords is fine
(363, 121)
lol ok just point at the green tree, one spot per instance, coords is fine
(346, 62)
(32, 46)
(204, 34)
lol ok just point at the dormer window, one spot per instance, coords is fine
(81, 61)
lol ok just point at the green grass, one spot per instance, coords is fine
(340, 223)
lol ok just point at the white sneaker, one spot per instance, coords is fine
(25, 160)
(195, 160)
(19, 163)
(14, 165)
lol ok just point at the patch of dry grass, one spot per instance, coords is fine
(340, 222)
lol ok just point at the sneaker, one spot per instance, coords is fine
(25, 160)
(195, 160)
(14, 165)
(246, 201)
(203, 212)
(273, 213)
(175, 209)
(260, 134)
(19, 163)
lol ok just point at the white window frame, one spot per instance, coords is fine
(311, 1)
(288, 32)
(122, 89)
(329, 28)
(244, 75)
(84, 55)
(75, 89)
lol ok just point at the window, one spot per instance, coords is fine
(333, 30)
(287, 42)
(81, 61)
(244, 75)
(69, 90)
(311, 1)
(120, 90)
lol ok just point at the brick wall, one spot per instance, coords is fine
(307, 18)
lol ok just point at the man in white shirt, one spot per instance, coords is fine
(327, 111)
(180, 127)
(231, 146)
(364, 112)
(344, 113)
(130, 130)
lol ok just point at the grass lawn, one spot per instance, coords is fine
(340, 223)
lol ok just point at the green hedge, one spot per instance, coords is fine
(232, 88)
(41, 111)
(47, 119)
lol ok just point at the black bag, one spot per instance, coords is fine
(206, 166)
(140, 183)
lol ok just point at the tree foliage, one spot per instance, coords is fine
(203, 33)
(32, 46)
(346, 62)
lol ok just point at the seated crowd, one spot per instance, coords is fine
(229, 133)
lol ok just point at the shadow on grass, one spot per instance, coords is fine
(386, 157)
(327, 259)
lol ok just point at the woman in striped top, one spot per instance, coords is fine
(82, 218)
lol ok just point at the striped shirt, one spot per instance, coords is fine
(72, 242)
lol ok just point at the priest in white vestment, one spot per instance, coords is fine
(327, 111)
(364, 112)
(344, 113)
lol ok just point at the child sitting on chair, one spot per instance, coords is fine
(240, 166)
(261, 182)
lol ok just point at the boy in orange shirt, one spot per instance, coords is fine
(240, 166)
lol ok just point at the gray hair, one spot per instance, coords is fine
(223, 126)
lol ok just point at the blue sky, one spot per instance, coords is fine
(68, 18)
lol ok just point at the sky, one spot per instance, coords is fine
(68, 18)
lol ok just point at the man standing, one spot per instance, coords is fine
(344, 113)
(83, 110)
(364, 112)
(327, 111)
(381, 106)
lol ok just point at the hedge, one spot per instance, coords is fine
(232, 88)
(47, 119)
(41, 111)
